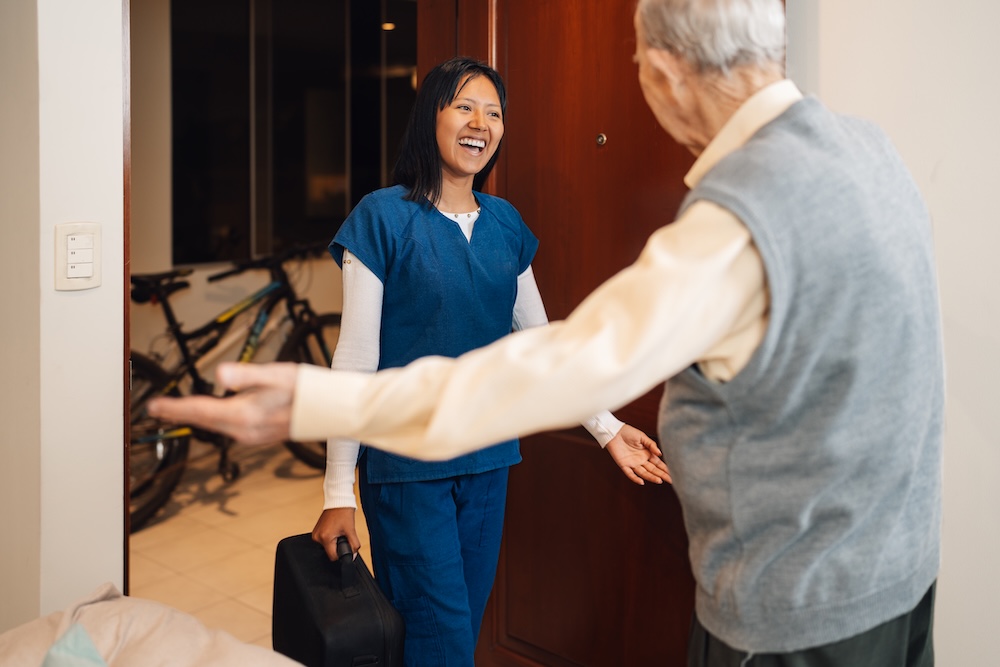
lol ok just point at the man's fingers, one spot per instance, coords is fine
(237, 376)
(197, 409)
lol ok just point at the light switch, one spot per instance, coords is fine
(77, 255)
(74, 241)
(84, 270)
(82, 255)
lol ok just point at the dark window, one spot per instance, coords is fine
(285, 113)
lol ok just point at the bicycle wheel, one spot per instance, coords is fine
(157, 450)
(312, 342)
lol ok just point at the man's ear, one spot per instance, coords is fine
(666, 63)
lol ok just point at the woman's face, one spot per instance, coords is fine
(469, 129)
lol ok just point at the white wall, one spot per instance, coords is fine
(82, 333)
(922, 70)
(62, 477)
(20, 393)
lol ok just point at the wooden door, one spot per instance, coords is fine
(593, 569)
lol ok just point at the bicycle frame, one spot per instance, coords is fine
(253, 339)
(193, 361)
(179, 369)
(198, 356)
(179, 432)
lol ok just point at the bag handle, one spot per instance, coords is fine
(348, 569)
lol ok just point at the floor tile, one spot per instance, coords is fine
(243, 622)
(189, 552)
(267, 528)
(260, 598)
(179, 592)
(238, 573)
(164, 533)
(146, 570)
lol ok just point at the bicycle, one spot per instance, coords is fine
(158, 451)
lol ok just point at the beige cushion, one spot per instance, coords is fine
(133, 631)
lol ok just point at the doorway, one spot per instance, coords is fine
(259, 136)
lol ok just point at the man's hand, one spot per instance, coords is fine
(258, 414)
(638, 456)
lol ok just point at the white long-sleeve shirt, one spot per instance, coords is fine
(358, 350)
(696, 295)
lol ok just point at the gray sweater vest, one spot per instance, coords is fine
(810, 483)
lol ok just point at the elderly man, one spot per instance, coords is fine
(791, 309)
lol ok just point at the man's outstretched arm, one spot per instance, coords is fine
(651, 320)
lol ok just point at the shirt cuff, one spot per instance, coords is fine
(338, 487)
(604, 427)
(338, 483)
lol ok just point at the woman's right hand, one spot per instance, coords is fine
(332, 524)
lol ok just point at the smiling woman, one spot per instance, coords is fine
(400, 303)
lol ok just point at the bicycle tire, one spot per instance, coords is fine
(302, 347)
(156, 463)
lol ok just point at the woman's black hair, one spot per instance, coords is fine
(419, 164)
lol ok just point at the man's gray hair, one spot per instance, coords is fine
(716, 35)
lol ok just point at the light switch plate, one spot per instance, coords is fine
(79, 235)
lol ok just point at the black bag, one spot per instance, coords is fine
(331, 613)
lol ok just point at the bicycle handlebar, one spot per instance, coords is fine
(274, 261)
(225, 274)
(147, 286)
(157, 278)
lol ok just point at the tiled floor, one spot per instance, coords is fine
(210, 551)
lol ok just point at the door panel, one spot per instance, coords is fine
(436, 24)
(569, 70)
(593, 569)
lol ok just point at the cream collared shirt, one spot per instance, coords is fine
(696, 295)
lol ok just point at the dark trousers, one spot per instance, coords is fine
(434, 548)
(905, 641)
